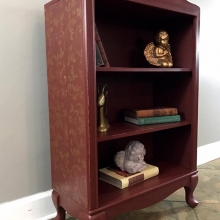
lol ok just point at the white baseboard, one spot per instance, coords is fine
(34, 207)
(208, 153)
(40, 206)
(51, 216)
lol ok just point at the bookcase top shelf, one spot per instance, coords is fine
(124, 129)
(127, 69)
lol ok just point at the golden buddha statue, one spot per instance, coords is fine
(159, 54)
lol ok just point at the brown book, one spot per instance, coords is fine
(156, 112)
(122, 179)
(101, 48)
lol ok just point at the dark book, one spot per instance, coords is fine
(154, 112)
(99, 60)
(101, 48)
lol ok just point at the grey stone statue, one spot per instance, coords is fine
(131, 159)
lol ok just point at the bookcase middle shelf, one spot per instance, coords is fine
(147, 70)
(124, 129)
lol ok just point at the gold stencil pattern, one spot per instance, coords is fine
(67, 104)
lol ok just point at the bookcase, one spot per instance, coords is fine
(78, 151)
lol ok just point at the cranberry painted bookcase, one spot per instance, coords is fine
(78, 151)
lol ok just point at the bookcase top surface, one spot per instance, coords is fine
(181, 6)
(50, 3)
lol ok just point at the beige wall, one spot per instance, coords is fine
(24, 131)
(209, 82)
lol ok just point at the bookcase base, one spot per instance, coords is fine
(63, 204)
(108, 211)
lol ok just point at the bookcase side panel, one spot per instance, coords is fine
(67, 89)
(195, 91)
(91, 95)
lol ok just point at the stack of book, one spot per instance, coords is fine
(152, 116)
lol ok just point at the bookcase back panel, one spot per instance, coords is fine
(126, 91)
(141, 91)
(125, 34)
(107, 150)
(175, 90)
(174, 146)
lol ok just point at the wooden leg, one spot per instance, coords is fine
(99, 216)
(61, 213)
(191, 201)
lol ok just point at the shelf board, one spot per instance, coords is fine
(125, 129)
(127, 69)
(168, 173)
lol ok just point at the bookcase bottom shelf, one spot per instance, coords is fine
(145, 193)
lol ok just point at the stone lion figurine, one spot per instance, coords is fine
(131, 159)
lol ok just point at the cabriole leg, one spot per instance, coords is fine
(61, 213)
(191, 201)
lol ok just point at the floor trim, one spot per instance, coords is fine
(207, 153)
(40, 206)
(51, 216)
(34, 207)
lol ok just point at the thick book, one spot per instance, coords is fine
(101, 48)
(122, 179)
(154, 112)
(153, 120)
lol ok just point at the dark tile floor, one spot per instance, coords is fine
(174, 207)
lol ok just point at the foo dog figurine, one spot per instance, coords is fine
(159, 54)
(102, 94)
(131, 159)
